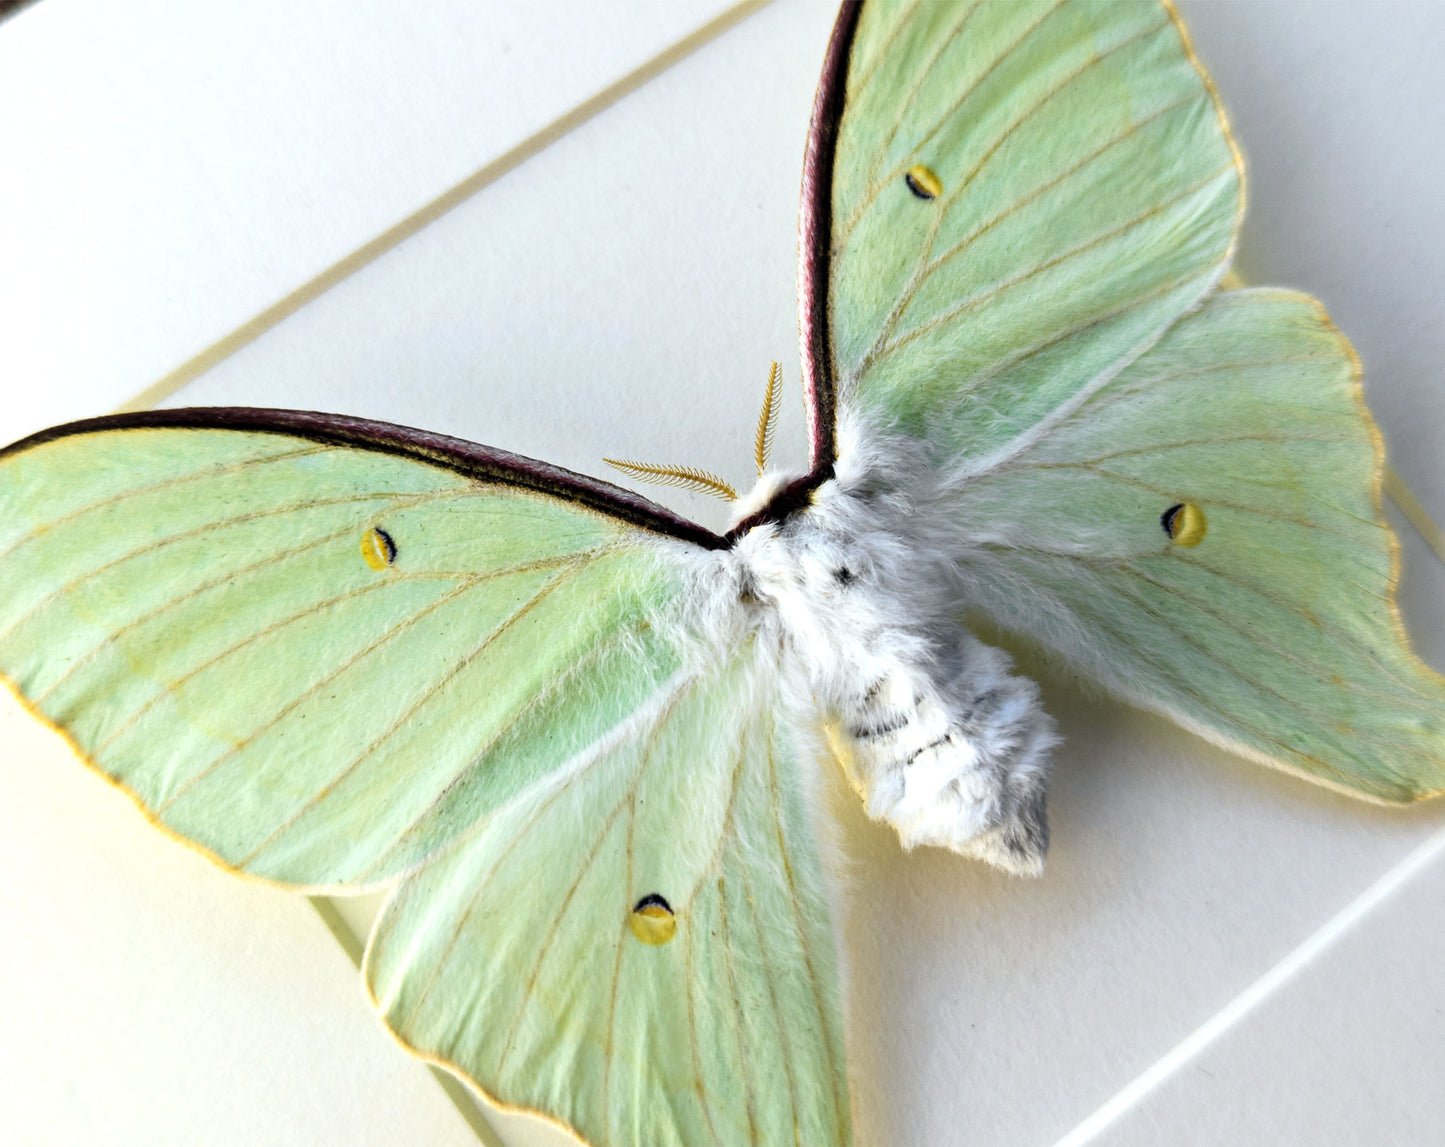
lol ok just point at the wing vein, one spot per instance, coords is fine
(195, 476)
(864, 78)
(906, 102)
(1227, 720)
(432, 691)
(872, 193)
(1283, 652)
(1182, 634)
(628, 799)
(735, 1012)
(185, 535)
(927, 264)
(882, 347)
(310, 611)
(775, 800)
(553, 687)
(174, 685)
(1238, 507)
(1043, 189)
(296, 702)
(1145, 383)
(172, 603)
(609, 1049)
(1055, 339)
(534, 815)
(699, 1084)
(1093, 462)
(774, 1012)
(710, 871)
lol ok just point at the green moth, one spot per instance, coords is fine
(579, 735)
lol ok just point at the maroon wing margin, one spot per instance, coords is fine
(489, 464)
(470, 459)
(815, 241)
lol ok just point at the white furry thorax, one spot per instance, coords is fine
(858, 591)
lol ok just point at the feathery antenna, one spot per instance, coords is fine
(688, 477)
(767, 420)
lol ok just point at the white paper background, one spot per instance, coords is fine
(169, 174)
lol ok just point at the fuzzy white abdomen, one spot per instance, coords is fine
(939, 737)
(961, 763)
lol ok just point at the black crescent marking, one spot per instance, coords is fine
(653, 899)
(917, 188)
(470, 459)
(1169, 517)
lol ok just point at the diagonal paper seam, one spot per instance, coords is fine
(248, 332)
(1236, 1010)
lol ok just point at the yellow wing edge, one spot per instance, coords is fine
(159, 825)
(440, 1062)
(1225, 126)
(1382, 479)
(1381, 476)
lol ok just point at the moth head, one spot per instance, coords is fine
(769, 484)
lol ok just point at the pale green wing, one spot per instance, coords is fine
(1025, 194)
(640, 948)
(1267, 621)
(322, 650)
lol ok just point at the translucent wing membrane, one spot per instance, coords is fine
(330, 653)
(1024, 196)
(317, 661)
(640, 948)
(1268, 624)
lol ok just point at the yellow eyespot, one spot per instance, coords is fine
(377, 548)
(1184, 523)
(923, 182)
(652, 920)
